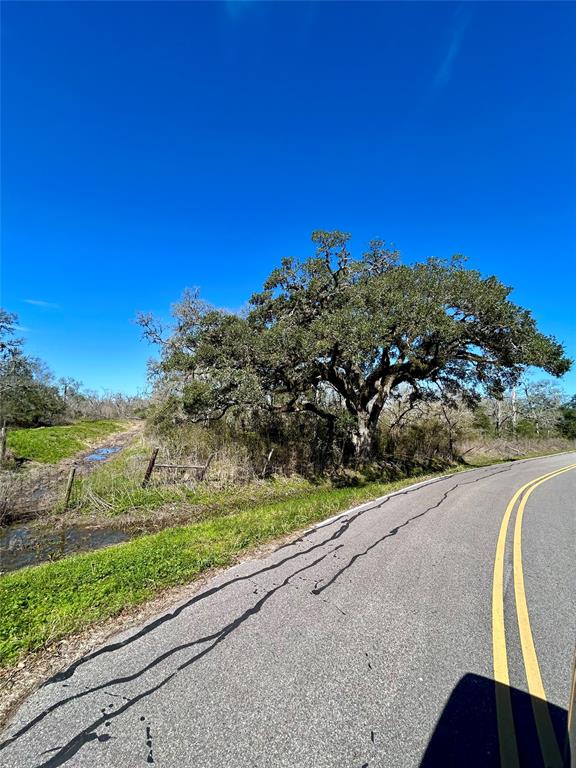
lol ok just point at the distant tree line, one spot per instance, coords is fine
(31, 396)
(531, 409)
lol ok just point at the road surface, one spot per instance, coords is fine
(425, 629)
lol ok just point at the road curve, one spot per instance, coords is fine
(434, 627)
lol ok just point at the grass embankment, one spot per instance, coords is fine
(51, 444)
(43, 604)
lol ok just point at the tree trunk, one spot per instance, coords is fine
(361, 437)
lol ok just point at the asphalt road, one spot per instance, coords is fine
(374, 640)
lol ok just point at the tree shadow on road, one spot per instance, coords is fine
(466, 733)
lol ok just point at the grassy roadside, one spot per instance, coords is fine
(42, 604)
(51, 444)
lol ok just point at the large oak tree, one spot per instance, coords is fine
(334, 334)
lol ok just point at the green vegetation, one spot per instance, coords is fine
(50, 444)
(29, 396)
(44, 603)
(115, 488)
(567, 420)
(338, 339)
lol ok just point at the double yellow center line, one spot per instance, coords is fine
(506, 733)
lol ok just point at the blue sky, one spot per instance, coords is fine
(147, 147)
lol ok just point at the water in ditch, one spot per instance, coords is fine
(25, 544)
(31, 543)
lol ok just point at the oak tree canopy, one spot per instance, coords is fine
(337, 334)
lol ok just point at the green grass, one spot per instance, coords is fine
(115, 488)
(40, 605)
(50, 444)
(45, 603)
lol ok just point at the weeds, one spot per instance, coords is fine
(115, 489)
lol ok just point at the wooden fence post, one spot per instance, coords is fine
(150, 467)
(267, 462)
(3, 442)
(205, 469)
(69, 485)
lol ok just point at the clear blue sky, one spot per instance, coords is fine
(152, 146)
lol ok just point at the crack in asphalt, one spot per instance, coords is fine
(150, 757)
(395, 494)
(69, 671)
(146, 629)
(171, 651)
(330, 603)
(393, 531)
(87, 734)
(333, 605)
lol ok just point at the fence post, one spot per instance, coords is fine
(267, 462)
(69, 485)
(3, 442)
(203, 472)
(150, 467)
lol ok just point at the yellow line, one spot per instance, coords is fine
(548, 742)
(507, 739)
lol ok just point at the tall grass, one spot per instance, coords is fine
(491, 449)
(115, 487)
